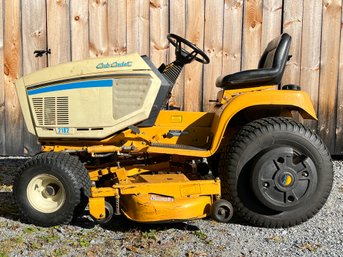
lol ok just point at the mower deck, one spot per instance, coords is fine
(153, 197)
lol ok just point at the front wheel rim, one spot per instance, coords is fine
(46, 193)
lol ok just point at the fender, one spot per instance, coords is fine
(294, 100)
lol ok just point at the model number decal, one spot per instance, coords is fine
(63, 130)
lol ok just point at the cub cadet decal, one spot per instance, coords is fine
(113, 65)
(286, 180)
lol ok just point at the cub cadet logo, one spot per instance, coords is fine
(113, 65)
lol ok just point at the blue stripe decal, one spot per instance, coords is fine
(73, 85)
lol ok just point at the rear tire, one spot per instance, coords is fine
(50, 187)
(276, 173)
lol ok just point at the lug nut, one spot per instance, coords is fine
(265, 184)
(305, 174)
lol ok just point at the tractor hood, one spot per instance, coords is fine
(89, 99)
(91, 67)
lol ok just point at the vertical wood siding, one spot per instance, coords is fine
(14, 125)
(2, 86)
(232, 32)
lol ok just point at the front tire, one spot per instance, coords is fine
(276, 173)
(50, 187)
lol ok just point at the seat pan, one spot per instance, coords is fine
(249, 78)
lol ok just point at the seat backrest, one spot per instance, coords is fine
(275, 55)
(270, 68)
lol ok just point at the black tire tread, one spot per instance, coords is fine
(231, 156)
(76, 172)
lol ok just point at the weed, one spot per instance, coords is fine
(151, 234)
(171, 250)
(200, 234)
(59, 252)
(84, 242)
(309, 247)
(276, 239)
(29, 230)
(35, 245)
(49, 238)
(19, 239)
(195, 254)
(10, 244)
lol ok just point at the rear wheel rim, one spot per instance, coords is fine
(283, 178)
(46, 193)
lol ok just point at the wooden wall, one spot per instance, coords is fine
(232, 32)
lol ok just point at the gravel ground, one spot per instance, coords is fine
(320, 236)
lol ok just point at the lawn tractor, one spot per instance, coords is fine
(111, 142)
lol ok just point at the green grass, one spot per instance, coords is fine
(3, 254)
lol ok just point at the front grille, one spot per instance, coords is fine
(38, 109)
(62, 111)
(51, 111)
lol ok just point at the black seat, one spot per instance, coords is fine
(270, 68)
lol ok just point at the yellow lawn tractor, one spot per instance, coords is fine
(110, 141)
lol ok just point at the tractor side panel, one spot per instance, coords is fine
(92, 108)
(286, 99)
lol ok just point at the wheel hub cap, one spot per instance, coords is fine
(46, 193)
(282, 178)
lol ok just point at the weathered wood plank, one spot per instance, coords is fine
(232, 38)
(34, 38)
(34, 34)
(12, 70)
(310, 52)
(177, 26)
(117, 27)
(138, 13)
(98, 28)
(329, 71)
(339, 116)
(252, 34)
(293, 25)
(195, 17)
(271, 23)
(158, 31)
(2, 86)
(58, 31)
(79, 30)
(213, 45)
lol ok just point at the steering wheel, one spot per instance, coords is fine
(183, 55)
